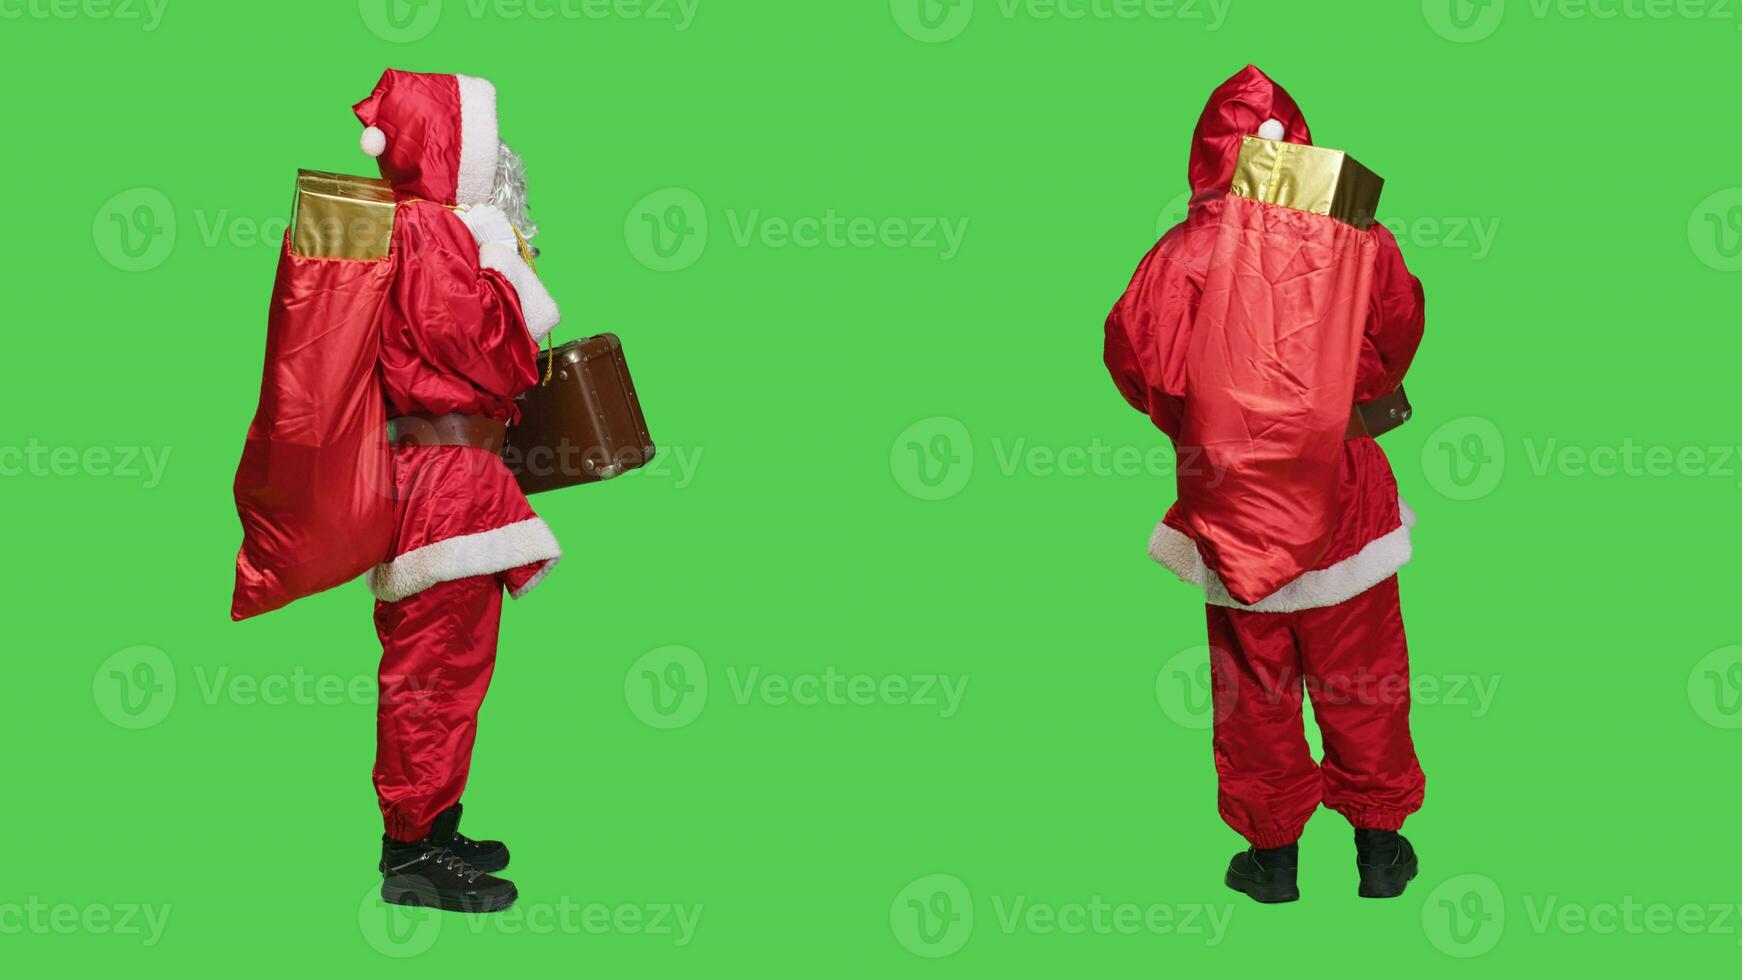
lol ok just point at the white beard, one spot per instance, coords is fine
(509, 194)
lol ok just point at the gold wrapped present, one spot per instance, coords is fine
(338, 216)
(1307, 178)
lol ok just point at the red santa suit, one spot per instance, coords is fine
(460, 334)
(1335, 627)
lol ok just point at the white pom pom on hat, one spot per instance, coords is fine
(1271, 130)
(374, 141)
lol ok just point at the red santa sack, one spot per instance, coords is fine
(1270, 381)
(314, 488)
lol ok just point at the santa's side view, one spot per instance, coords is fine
(400, 334)
(461, 330)
(1255, 334)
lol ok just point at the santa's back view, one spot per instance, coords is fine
(1249, 334)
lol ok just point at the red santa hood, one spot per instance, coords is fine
(1240, 107)
(434, 136)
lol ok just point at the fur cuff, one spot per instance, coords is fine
(484, 553)
(1378, 561)
(535, 302)
(532, 583)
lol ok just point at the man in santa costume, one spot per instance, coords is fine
(463, 320)
(1223, 340)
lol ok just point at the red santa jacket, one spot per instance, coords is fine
(1149, 331)
(460, 333)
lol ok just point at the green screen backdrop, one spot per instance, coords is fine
(869, 674)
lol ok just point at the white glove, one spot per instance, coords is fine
(488, 224)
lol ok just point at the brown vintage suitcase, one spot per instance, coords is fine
(583, 425)
(1385, 413)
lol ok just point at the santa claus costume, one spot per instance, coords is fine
(1222, 340)
(460, 332)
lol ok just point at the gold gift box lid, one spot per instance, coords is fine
(339, 216)
(1307, 178)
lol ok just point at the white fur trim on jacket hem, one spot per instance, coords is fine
(479, 142)
(540, 310)
(1374, 563)
(484, 553)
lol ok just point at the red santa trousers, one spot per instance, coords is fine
(438, 650)
(1353, 661)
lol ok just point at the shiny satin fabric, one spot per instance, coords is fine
(454, 336)
(1236, 109)
(1353, 660)
(1150, 330)
(1367, 503)
(453, 340)
(438, 651)
(313, 489)
(420, 114)
(1270, 378)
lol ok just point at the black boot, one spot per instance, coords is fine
(1267, 875)
(485, 855)
(1386, 862)
(431, 872)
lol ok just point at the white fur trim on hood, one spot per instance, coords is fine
(540, 310)
(479, 140)
(1374, 563)
(484, 553)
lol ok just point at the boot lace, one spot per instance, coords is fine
(453, 862)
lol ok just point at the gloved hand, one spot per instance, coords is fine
(499, 249)
(488, 224)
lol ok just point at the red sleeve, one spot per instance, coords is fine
(464, 320)
(1146, 333)
(1394, 323)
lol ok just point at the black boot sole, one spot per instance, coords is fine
(418, 893)
(1387, 881)
(1272, 893)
